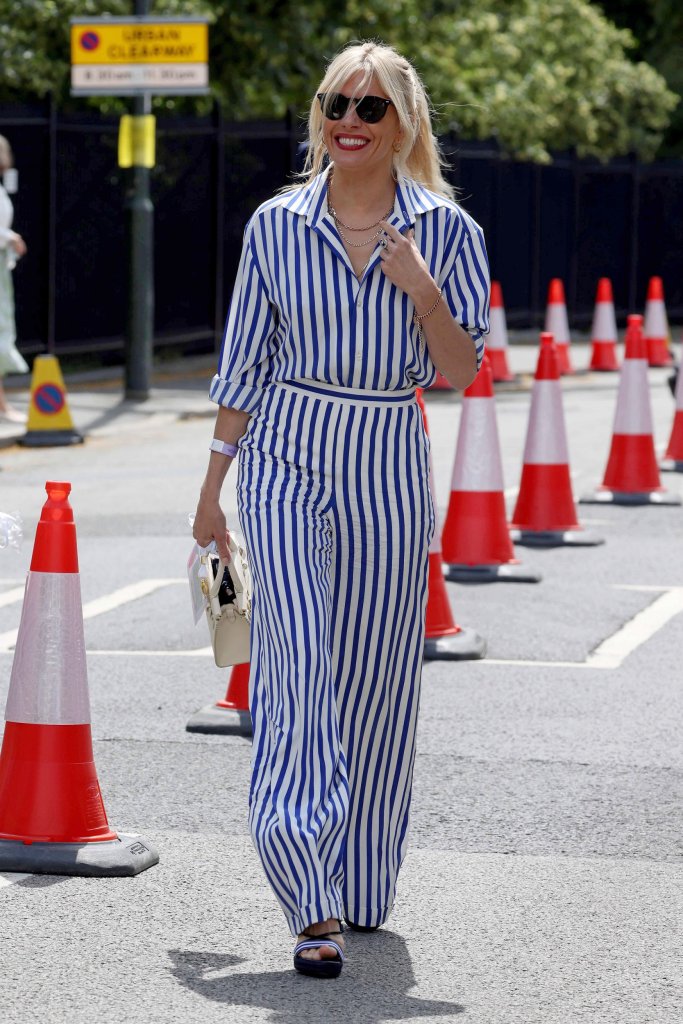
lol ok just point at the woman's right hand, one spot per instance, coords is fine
(209, 524)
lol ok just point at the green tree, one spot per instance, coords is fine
(658, 28)
(536, 76)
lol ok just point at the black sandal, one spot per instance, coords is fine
(361, 927)
(330, 967)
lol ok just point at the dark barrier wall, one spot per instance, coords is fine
(578, 220)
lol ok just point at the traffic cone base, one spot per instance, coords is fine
(230, 716)
(478, 554)
(603, 496)
(124, 856)
(464, 645)
(579, 538)
(219, 720)
(511, 572)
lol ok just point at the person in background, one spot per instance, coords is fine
(12, 246)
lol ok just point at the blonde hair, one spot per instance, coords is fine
(5, 154)
(419, 156)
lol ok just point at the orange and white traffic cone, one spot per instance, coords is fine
(604, 330)
(497, 341)
(445, 640)
(673, 457)
(656, 326)
(229, 716)
(545, 514)
(52, 817)
(632, 475)
(476, 545)
(557, 324)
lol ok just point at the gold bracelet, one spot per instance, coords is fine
(417, 320)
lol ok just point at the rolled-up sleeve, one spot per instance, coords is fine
(467, 286)
(249, 339)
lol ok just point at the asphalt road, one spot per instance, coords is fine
(543, 881)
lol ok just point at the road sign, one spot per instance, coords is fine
(129, 56)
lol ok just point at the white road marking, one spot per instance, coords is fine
(611, 653)
(11, 878)
(199, 652)
(536, 664)
(133, 592)
(8, 597)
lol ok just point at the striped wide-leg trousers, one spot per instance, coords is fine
(335, 507)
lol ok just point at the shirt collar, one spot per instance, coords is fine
(412, 199)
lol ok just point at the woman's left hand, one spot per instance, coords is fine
(402, 262)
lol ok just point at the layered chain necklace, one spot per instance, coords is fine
(340, 223)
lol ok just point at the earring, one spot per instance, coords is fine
(397, 146)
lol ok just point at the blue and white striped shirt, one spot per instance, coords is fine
(298, 310)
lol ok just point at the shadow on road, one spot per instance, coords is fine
(373, 987)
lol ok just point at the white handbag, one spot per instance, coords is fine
(227, 589)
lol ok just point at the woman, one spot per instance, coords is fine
(352, 289)
(12, 246)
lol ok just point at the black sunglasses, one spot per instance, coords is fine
(370, 109)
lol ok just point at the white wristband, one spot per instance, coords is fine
(223, 448)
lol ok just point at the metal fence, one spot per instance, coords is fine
(574, 219)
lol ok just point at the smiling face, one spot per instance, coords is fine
(353, 144)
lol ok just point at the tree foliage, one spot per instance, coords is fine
(537, 76)
(658, 28)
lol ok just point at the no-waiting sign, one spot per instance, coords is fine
(124, 56)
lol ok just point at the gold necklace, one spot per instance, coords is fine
(348, 227)
(359, 245)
